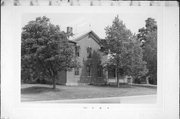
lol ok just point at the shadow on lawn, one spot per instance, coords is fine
(37, 89)
(113, 85)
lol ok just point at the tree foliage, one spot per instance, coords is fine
(97, 71)
(45, 50)
(125, 53)
(148, 36)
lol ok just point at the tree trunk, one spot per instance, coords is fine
(54, 82)
(117, 76)
(147, 79)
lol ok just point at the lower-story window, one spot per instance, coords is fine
(99, 71)
(76, 71)
(88, 69)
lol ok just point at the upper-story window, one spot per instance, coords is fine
(89, 52)
(77, 50)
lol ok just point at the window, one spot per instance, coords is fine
(99, 71)
(76, 71)
(88, 69)
(77, 49)
(89, 52)
(114, 72)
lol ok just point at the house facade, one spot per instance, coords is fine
(87, 51)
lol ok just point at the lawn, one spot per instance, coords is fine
(39, 92)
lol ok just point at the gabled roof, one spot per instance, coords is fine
(83, 35)
(70, 41)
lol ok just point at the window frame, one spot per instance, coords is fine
(88, 70)
(76, 71)
(77, 51)
(89, 52)
(100, 71)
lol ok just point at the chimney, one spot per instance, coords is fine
(69, 31)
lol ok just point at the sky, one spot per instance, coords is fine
(82, 22)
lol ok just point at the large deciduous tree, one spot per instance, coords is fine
(148, 36)
(125, 53)
(45, 50)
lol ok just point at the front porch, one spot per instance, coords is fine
(112, 78)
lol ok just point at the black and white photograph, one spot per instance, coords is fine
(89, 61)
(89, 58)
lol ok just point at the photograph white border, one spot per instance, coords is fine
(168, 83)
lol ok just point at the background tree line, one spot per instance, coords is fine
(132, 54)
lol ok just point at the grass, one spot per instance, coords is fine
(38, 92)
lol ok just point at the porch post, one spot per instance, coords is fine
(107, 77)
(105, 73)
